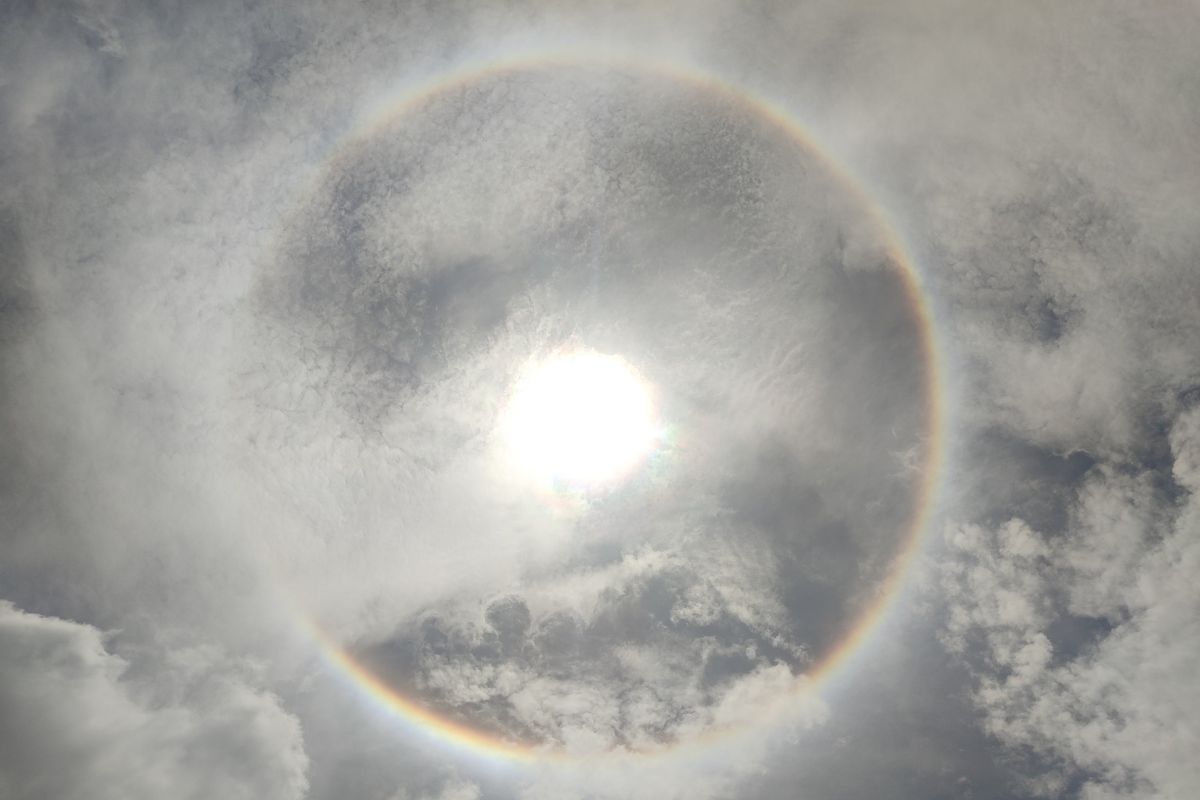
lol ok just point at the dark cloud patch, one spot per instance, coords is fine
(1023, 479)
(18, 306)
(509, 617)
(909, 705)
(1073, 635)
(818, 561)
(385, 336)
(277, 43)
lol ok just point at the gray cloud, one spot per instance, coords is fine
(80, 721)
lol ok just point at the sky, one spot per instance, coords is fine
(904, 297)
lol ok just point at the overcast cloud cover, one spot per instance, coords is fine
(254, 350)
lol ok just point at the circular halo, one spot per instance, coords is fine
(481, 742)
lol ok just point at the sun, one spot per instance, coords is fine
(579, 420)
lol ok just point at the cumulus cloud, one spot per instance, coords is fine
(1115, 711)
(630, 667)
(728, 751)
(80, 721)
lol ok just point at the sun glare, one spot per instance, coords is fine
(580, 419)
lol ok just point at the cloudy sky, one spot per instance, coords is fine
(443, 401)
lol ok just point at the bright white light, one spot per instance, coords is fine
(579, 419)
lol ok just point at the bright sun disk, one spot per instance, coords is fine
(579, 419)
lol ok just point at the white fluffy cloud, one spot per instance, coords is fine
(1119, 714)
(761, 717)
(79, 721)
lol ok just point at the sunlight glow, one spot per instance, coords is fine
(579, 420)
